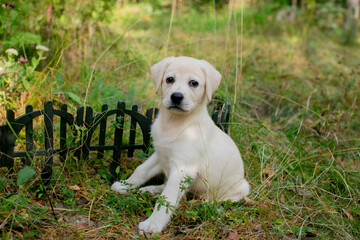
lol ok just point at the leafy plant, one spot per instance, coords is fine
(163, 202)
(25, 174)
(18, 73)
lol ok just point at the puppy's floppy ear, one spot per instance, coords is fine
(212, 78)
(158, 71)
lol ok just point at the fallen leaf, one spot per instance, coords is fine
(38, 203)
(113, 61)
(256, 227)
(249, 201)
(81, 201)
(223, 230)
(262, 204)
(282, 198)
(75, 188)
(233, 235)
(268, 171)
(348, 214)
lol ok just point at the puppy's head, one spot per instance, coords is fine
(185, 82)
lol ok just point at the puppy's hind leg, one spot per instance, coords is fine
(150, 168)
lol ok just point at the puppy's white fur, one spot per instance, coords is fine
(187, 142)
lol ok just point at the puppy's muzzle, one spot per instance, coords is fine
(177, 98)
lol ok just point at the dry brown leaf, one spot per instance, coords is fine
(81, 201)
(268, 171)
(348, 214)
(233, 235)
(256, 227)
(249, 201)
(282, 198)
(262, 204)
(75, 188)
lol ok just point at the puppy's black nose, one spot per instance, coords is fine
(177, 97)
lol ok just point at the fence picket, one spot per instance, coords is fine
(49, 132)
(132, 134)
(63, 151)
(102, 132)
(225, 118)
(215, 116)
(8, 140)
(46, 173)
(29, 143)
(87, 136)
(79, 121)
(149, 115)
(119, 124)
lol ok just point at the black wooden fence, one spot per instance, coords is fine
(83, 126)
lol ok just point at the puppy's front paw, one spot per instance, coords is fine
(150, 226)
(120, 187)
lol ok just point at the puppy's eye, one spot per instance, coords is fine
(193, 83)
(170, 80)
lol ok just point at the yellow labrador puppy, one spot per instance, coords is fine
(190, 149)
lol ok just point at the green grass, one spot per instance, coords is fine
(295, 120)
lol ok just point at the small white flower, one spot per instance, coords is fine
(41, 47)
(1, 70)
(12, 51)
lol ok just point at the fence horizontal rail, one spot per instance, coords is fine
(83, 126)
